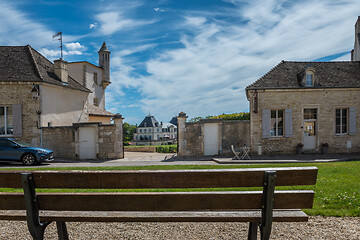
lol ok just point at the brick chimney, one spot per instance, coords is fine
(61, 70)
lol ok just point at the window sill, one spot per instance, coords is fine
(341, 134)
(277, 138)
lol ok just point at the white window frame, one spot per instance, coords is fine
(5, 122)
(341, 121)
(277, 123)
(309, 74)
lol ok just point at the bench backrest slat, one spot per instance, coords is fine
(161, 179)
(154, 201)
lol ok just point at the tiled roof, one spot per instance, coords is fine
(286, 75)
(149, 121)
(174, 121)
(96, 111)
(25, 64)
(104, 48)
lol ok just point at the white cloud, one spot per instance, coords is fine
(195, 21)
(92, 25)
(112, 22)
(74, 46)
(18, 29)
(159, 10)
(55, 54)
(218, 60)
(346, 57)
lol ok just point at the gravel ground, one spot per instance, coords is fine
(316, 228)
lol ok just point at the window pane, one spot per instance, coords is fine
(310, 113)
(309, 79)
(337, 112)
(9, 129)
(280, 123)
(344, 121)
(2, 120)
(273, 123)
(273, 113)
(338, 128)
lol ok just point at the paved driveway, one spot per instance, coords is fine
(131, 159)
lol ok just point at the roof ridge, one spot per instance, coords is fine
(53, 64)
(266, 74)
(35, 63)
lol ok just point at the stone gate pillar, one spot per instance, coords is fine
(181, 134)
(119, 144)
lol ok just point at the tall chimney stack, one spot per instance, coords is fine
(355, 53)
(61, 70)
(104, 63)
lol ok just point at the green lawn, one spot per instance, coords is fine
(337, 191)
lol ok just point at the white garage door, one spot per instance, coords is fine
(87, 143)
(211, 138)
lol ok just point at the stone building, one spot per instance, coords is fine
(315, 105)
(151, 132)
(36, 95)
(95, 78)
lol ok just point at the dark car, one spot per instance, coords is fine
(13, 149)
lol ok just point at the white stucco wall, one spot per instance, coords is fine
(75, 70)
(84, 70)
(96, 88)
(62, 106)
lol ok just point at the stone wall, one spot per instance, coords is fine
(20, 93)
(194, 140)
(109, 141)
(235, 133)
(324, 100)
(64, 141)
(61, 140)
(191, 136)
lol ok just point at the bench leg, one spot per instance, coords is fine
(62, 231)
(36, 228)
(268, 204)
(252, 231)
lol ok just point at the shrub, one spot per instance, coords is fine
(166, 149)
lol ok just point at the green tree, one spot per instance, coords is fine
(128, 132)
(230, 116)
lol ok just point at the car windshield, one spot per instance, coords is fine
(21, 143)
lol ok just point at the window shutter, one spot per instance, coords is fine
(17, 120)
(288, 122)
(266, 122)
(352, 121)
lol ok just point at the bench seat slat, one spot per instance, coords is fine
(290, 176)
(129, 216)
(158, 201)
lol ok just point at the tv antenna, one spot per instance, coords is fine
(59, 34)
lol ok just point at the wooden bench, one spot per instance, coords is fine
(259, 208)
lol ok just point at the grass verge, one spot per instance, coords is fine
(337, 191)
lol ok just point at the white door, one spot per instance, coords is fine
(309, 135)
(310, 128)
(211, 138)
(87, 143)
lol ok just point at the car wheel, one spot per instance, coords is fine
(28, 159)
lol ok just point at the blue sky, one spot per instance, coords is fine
(195, 56)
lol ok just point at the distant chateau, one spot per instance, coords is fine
(151, 132)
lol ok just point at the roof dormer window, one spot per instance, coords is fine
(309, 78)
